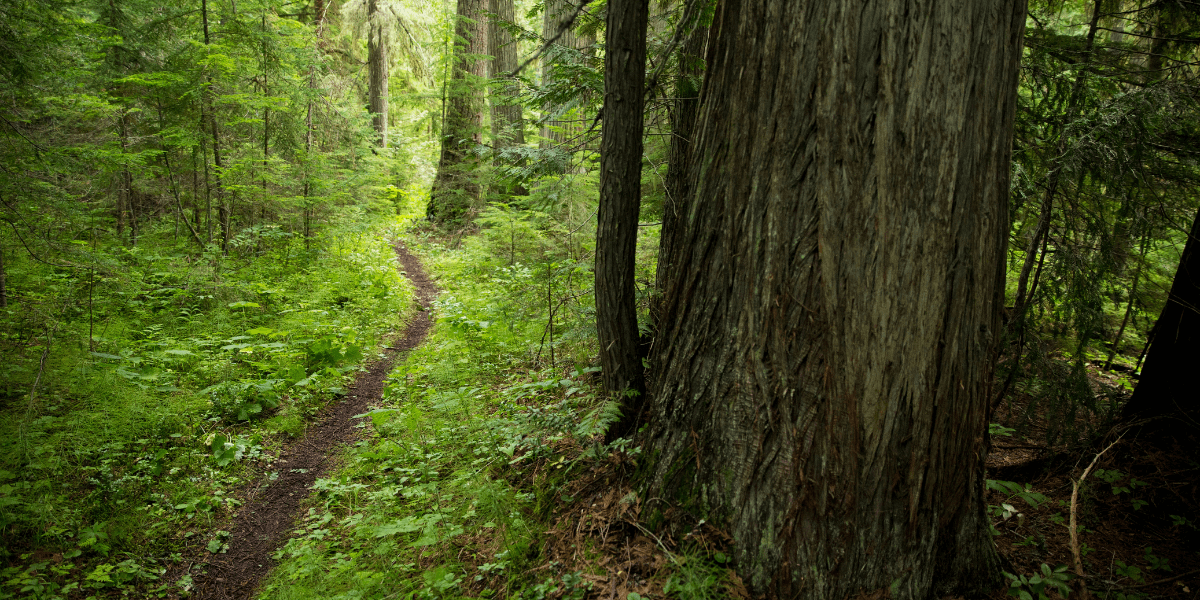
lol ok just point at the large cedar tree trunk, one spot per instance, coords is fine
(377, 67)
(620, 200)
(1166, 387)
(455, 190)
(825, 352)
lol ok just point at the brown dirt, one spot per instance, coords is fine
(272, 507)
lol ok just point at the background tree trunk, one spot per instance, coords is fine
(1166, 387)
(553, 20)
(3, 281)
(821, 381)
(377, 67)
(455, 190)
(508, 123)
(620, 200)
(683, 126)
(208, 119)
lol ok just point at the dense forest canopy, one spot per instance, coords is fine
(701, 263)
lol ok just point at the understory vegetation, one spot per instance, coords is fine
(199, 210)
(131, 425)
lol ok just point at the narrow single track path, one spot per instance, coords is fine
(271, 510)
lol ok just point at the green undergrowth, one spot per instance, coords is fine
(132, 417)
(478, 434)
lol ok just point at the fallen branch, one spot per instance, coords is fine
(1083, 591)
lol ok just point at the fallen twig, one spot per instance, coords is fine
(1083, 591)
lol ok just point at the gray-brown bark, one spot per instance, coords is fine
(620, 200)
(508, 123)
(455, 189)
(377, 71)
(562, 130)
(683, 126)
(824, 355)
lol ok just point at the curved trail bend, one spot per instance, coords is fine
(271, 511)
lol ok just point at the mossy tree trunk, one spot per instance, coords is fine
(456, 189)
(824, 354)
(508, 123)
(377, 70)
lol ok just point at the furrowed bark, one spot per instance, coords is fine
(824, 356)
(620, 201)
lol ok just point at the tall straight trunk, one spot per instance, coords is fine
(554, 23)
(266, 138)
(1166, 389)
(377, 71)
(210, 121)
(455, 189)
(824, 356)
(620, 201)
(195, 188)
(125, 199)
(319, 25)
(508, 124)
(3, 281)
(683, 125)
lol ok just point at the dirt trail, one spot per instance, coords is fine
(270, 512)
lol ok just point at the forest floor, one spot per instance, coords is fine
(1134, 494)
(272, 502)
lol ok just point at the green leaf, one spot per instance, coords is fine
(244, 304)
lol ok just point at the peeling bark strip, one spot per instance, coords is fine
(825, 349)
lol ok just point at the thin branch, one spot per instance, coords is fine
(1083, 592)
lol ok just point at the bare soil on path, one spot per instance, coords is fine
(271, 509)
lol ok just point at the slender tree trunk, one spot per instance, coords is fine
(620, 201)
(455, 189)
(206, 110)
(683, 125)
(166, 156)
(1166, 387)
(125, 196)
(508, 124)
(377, 67)
(195, 188)
(319, 25)
(1056, 168)
(824, 357)
(3, 281)
(1137, 277)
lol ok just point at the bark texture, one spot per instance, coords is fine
(825, 350)
(377, 71)
(683, 127)
(1166, 387)
(455, 190)
(508, 122)
(508, 126)
(563, 126)
(620, 200)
